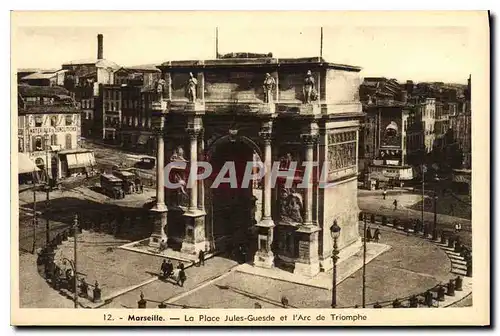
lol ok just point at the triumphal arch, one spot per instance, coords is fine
(244, 108)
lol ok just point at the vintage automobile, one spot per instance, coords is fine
(112, 186)
(131, 182)
(146, 162)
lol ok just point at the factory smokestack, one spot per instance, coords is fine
(99, 47)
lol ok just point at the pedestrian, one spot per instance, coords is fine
(182, 276)
(384, 193)
(162, 246)
(242, 254)
(458, 227)
(163, 268)
(395, 203)
(368, 234)
(377, 235)
(201, 258)
(169, 269)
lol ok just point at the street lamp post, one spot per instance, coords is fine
(75, 236)
(47, 223)
(35, 220)
(436, 180)
(335, 232)
(435, 210)
(424, 170)
(364, 262)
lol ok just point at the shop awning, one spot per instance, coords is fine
(143, 139)
(378, 176)
(80, 160)
(26, 165)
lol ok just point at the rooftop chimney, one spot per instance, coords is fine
(99, 47)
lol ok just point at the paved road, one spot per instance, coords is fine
(373, 202)
(34, 291)
(411, 266)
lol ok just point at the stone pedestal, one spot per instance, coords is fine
(194, 236)
(196, 106)
(307, 262)
(159, 215)
(264, 257)
(309, 109)
(267, 108)
(161, 105)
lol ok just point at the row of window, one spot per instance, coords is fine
(111, 94)
(88, 103)
(39, 144)
(54, 122)
(128, 103)
(130, 121)
(113, 106)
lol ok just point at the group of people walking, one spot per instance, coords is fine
(178, 274)
(168, 271)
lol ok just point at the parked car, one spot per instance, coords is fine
(146, 162)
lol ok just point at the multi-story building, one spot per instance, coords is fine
(462, 127)
(428, 112)
(127, 107)
(111, 97)
(49, 131)
(384, 142)
(83, 79)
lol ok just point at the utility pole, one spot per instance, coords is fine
(321, 44)
(364, 260)
(47, 223)
(34, 213)
(75, 235)
(216, 42)
(423, 192)
(424, 169)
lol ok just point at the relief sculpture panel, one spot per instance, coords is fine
(342, 159)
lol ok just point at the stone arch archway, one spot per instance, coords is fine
(232, 138)
(231, 212)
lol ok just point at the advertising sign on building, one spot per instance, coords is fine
(390, 129)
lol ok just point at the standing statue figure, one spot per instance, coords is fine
(161, 85)
(191, 85)
(309, 88)
(291, 206)
(178, 176)
(269, 85)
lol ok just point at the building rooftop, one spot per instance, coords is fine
(62, 101)
(41, 91)
(38, 75)
(240, 60)
(143, 68)
(99, 63)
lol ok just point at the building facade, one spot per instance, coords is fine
(236, 109)
(461, 124)
(387, 134)
(49, 131)
(127, 107)
(428, 112)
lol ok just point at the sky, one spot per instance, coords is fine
(418, 53)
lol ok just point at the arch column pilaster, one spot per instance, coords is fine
(264, 257)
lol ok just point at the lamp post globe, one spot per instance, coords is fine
(335, 232)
